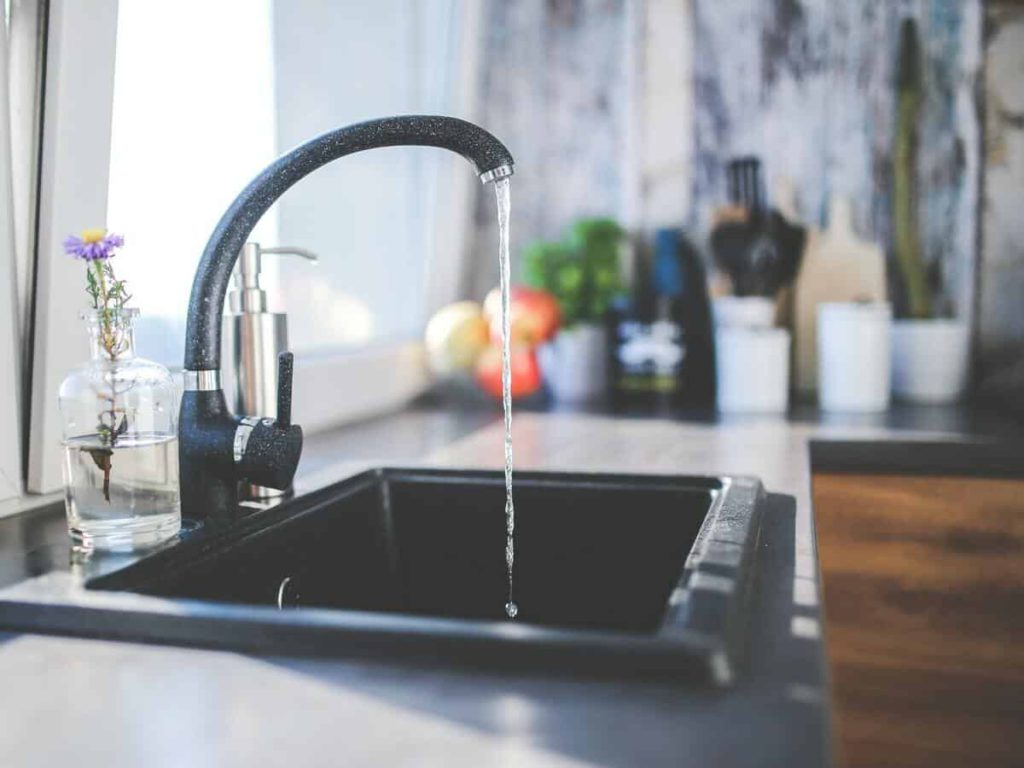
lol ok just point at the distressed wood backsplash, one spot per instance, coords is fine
(1001, 293)
(809, 86)
(554, 88)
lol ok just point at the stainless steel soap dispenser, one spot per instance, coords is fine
(257, 338)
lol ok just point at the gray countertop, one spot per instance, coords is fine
(91, 702)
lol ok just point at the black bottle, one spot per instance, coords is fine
(661, 352)
(692, 310)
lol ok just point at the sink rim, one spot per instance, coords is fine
(701, 631)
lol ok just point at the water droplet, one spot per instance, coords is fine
(511, 610)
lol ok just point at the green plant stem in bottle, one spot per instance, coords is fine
(119, 415)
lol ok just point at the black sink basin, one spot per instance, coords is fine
(611, 572)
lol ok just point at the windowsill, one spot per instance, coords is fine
(28, 502)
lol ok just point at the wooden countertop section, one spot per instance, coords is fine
(924, 603)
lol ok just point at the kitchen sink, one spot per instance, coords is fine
(612, 572)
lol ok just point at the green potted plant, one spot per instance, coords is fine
(582, 272)
(930, 349)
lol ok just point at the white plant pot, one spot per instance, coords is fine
(930, 360)
(574, 364)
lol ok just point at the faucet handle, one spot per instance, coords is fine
(266, 452)
(285, 366)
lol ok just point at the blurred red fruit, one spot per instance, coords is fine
(535, 316)
(525, 371)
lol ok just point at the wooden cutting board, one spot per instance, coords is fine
(836, 266)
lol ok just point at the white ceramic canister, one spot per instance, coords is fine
(854, 341)
(744, 311)
(752, 369)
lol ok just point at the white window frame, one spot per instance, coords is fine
(74, 167)
(21, 49)
(329, 390)
(10, 347)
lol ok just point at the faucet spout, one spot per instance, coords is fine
(206, 306)
(218, 450)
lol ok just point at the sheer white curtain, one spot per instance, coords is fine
(10, 348)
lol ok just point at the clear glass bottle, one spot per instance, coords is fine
(120, 415)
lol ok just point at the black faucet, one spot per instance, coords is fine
(218, 450)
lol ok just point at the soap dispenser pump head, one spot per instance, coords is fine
(247, 294)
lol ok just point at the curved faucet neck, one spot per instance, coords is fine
(206, 306)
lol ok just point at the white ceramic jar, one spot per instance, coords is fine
(853, 356)
(752, 369)
(744, 311)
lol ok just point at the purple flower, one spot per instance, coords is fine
(93, 245)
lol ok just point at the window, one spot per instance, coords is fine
(20, 51)
(193, 121)
(162, 112)
(256, 79)
(370, 216)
